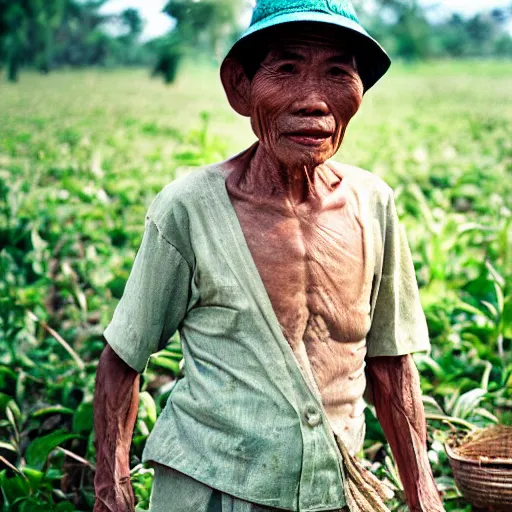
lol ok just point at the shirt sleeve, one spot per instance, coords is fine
(154, 301)
(398, 323)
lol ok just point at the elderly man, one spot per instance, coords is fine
(293, 290)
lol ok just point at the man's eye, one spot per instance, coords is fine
(336, 71)
(286, 68)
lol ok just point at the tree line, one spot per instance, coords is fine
(410, 31)
(48, 34)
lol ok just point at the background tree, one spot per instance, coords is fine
(411, 31)
(80, 38)
(204, 27)
(46, 34)
(126, 49)
(207, 25)
(132, 20)
(13, 35)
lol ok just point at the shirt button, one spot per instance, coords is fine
(312, 416)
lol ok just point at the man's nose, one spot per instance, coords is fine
(311, 106)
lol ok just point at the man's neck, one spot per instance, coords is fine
(266, 178)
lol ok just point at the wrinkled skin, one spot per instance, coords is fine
(116, 401)
(300, 102)
(302, 228)
(395, 386)
(303, 89)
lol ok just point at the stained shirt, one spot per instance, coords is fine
(246, 419)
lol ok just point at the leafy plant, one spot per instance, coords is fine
(77, 178)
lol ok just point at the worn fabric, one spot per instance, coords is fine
(246, 419)
(317, 263)
(364, 492)
(175, 492)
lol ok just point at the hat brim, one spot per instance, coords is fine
(372, 59)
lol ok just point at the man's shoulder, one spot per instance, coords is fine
(192, 190)
(182, 188)
(187, 191)
(182, 205)
(364, 183)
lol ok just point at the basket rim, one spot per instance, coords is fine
(507, 462)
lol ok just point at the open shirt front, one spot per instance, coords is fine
(247, 419)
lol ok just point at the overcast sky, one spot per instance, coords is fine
(157, 24)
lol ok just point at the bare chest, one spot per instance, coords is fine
(314, 267)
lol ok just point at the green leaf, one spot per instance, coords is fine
(173, 353)
(430, 405)
(431, 364)
(500, 299)
(80, 298)
(40, 448)
(485, 377)
(33, 505)
(4, 401)
(445, 483)
(450, 419)
(149, 406)
(507, 317)
(7, 446)
(167, 364)
(57, 409)
(54, 474)
(10, 416)
(495, 275)
(470, 309)
(492, 309)
(38, 243)
(65, 506)
(34, 476)
(14, 487)
(467, 402)
(83, 419)
(13, 407)
(6, 374)
(480, 411)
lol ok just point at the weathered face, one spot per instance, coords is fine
(302, 98)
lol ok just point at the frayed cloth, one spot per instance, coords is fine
(364, 492)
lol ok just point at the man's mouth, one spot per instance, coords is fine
(312, 138)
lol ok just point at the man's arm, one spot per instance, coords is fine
(395, 387)
(116, 401)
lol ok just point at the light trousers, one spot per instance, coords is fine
(176, 492)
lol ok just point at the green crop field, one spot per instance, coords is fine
(83, 153)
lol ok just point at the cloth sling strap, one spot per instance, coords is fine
(364, 492)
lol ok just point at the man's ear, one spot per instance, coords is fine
(237, 86)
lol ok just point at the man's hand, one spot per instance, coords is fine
(116, 401)
(396, 392)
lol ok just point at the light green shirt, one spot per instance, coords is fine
(244, 419)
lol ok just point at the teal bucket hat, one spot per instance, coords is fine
(372, 60)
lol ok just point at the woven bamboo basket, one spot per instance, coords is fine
(482, 467)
